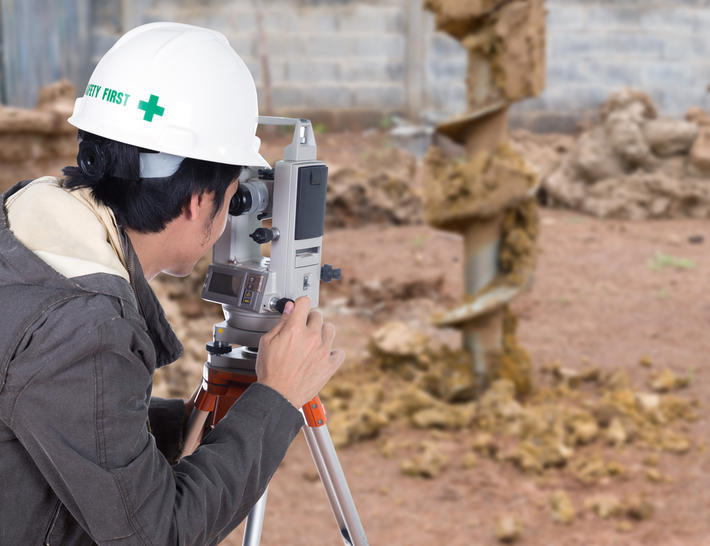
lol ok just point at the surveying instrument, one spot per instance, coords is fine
(254, 290)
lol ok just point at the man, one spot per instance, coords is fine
(166, 122)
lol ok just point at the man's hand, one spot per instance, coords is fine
(296, 357)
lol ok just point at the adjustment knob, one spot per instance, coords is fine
(218, 347)
(264, 235)
(280, 305)
(328, 273)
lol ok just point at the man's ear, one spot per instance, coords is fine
(191, 211)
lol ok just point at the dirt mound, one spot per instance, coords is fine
(544, 151)
(381, 187)
(592, 426)
(411, 377)
(635, 165)
(39, 141)
(370, 179)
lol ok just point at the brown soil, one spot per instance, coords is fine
(602, 296)
(633, 164)
(38, 142)
(607, 293)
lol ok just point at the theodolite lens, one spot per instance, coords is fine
(252, 196)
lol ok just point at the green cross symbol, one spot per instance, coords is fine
(151, 108)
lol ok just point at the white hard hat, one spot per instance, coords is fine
(174, 88)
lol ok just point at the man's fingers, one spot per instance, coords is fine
(337, 357)
(300, 311)
(288, 309)
(328, 334)
(315, 321)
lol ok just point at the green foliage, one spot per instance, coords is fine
(663, 294)
(320, 128)
(386, 122)
(690, 376)
(663, 261)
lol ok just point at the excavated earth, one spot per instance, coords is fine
(609, 447)
(606, 316)
(632, 163)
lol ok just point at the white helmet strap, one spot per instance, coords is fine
(158, 164)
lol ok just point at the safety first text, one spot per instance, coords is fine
(108, 95)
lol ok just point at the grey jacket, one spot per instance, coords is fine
(78, 462)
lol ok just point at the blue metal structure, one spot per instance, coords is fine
(40, 43)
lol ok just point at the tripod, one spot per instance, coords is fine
(227, 374)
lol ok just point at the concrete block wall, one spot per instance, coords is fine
(322, 54)
(359, 55)
(595, 47)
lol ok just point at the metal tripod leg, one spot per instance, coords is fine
(221, 384)
(336, 487)
(255, 522)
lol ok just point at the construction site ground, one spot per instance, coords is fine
(607, 293)
(598, 297)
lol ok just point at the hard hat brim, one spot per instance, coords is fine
(241, 157)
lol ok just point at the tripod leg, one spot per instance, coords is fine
(326, 481)
(255, 522)
(336, 487)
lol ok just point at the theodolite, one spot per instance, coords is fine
(253, 290)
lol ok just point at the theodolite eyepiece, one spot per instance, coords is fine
(252, 196)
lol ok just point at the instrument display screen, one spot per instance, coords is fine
(234, 285)
(228, 285)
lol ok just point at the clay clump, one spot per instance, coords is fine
(633, 164)
(39, 141)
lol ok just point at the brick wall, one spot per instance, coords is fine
(337, 55)
(594, 47)
(324, 55)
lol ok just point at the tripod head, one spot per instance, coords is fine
(253, 289)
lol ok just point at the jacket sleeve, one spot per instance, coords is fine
(166, 417)
(80, 409)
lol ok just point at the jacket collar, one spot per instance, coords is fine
(168, 347)
(24, 267)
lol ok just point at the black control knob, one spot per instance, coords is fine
(329, 273)
(280, 305)
(218, 347)
(264, 235)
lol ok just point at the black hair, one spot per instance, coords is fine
(112, 170)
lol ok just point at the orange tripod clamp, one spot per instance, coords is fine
(315, 413)
(221, 388)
